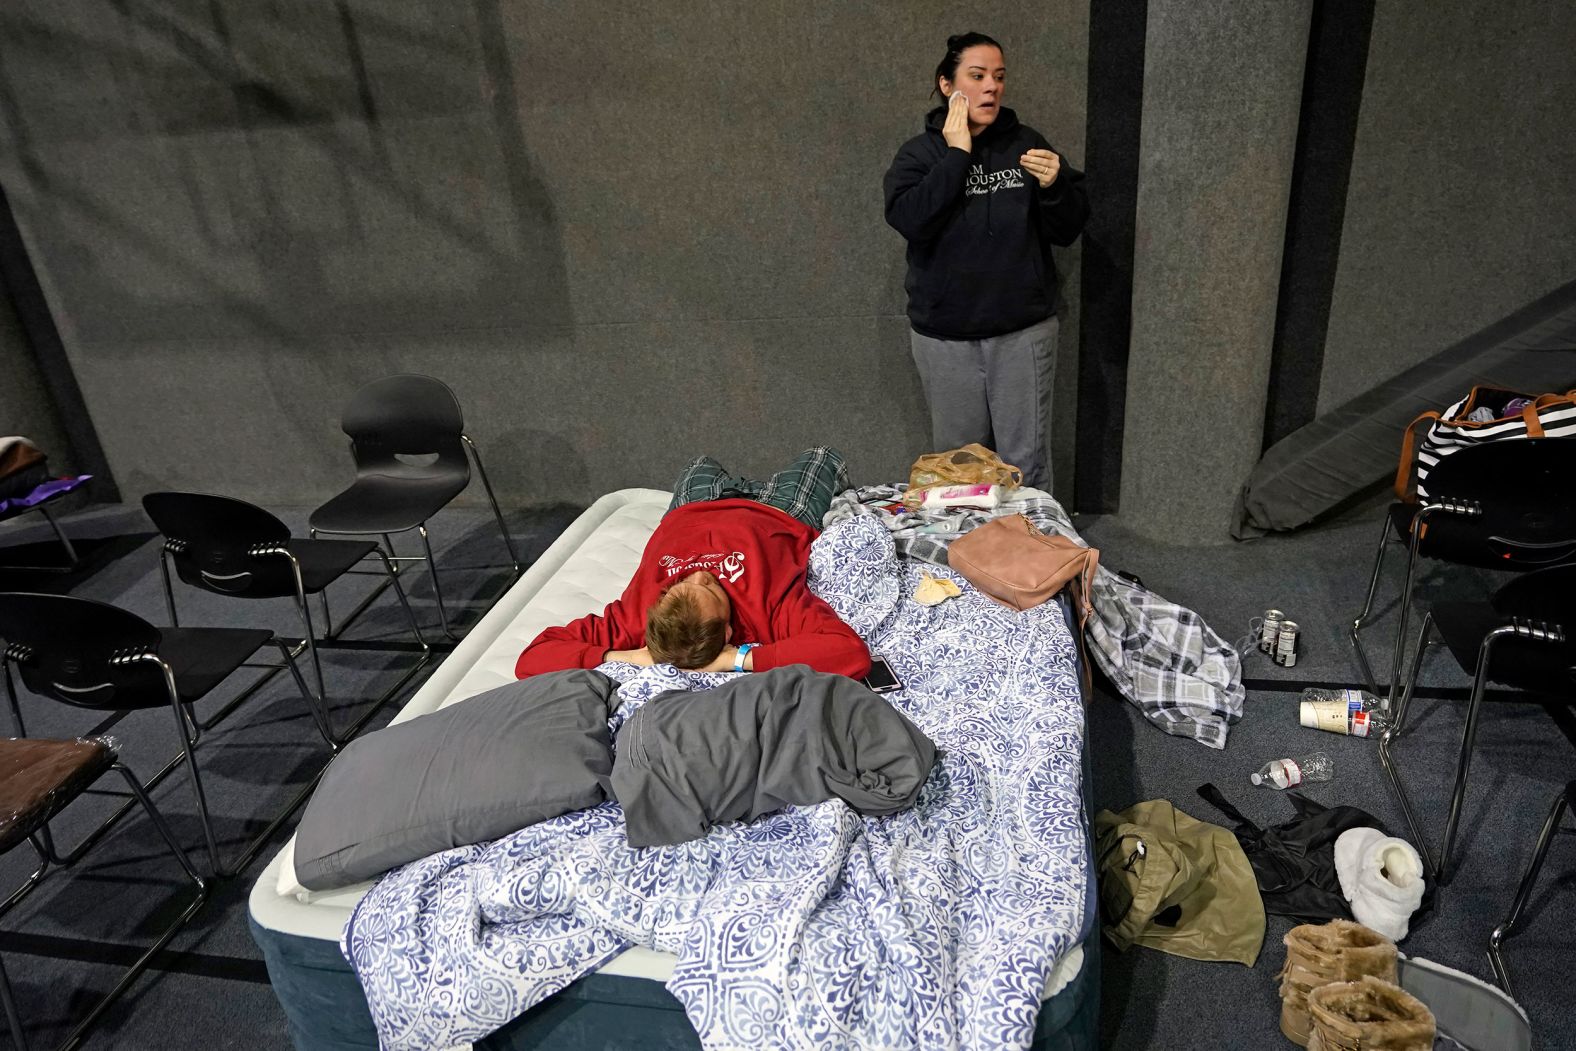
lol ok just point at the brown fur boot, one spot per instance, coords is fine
(1318, 954)
(1368, 1015)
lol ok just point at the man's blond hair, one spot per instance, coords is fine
(679, 633)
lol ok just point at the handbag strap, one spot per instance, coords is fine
(1403, 471)
(1081, 587)
(1214, 796)
(1529, 412)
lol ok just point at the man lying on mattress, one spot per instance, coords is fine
(721, 584)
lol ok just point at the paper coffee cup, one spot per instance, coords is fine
(1324, 715)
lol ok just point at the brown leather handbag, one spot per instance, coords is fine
(1017, 565)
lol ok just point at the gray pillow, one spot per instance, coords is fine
(468, 773)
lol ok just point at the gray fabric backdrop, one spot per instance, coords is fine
(630, 233)
(624, 233)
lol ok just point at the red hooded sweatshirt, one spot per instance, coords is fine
(760, 556)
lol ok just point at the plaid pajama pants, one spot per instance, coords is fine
(804, 488)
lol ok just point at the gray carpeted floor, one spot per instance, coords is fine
(210, 991)
(1318, 578)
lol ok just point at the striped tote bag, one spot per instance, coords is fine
(1488, 414)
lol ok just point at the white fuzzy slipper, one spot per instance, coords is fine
(1382, 877)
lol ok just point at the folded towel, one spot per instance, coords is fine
(1382, 877)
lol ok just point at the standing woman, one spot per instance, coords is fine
(981, 198)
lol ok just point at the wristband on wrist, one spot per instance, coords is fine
(738, 658)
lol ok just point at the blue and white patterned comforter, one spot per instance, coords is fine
(813, 927)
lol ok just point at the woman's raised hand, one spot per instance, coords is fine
(956, 129)
(1044, 165)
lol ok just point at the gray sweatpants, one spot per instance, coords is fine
(994, 391)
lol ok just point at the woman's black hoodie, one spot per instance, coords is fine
(979, 228)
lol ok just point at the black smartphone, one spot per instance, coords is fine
(881, 678)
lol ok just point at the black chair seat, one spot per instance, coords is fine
(1525, 664)
(202, 658)
(38, 778)
(230, 547)
(389, 503)
(325, 561)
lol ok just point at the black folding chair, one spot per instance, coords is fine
(1507, 505)
(39, 779)
(394, 425)
(100, 658)
(233, 548)
(1529, 879)
(1523, 638)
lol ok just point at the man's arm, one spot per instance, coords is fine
(809, 632)
(587, 642)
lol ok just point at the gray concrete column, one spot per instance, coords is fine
(1222, 91)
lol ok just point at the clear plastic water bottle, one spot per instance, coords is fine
(1289, 773)
(1357, 713)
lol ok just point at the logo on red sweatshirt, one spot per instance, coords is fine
(729, 567)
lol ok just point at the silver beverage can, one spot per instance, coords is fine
(1286, 644)
(1270, 632)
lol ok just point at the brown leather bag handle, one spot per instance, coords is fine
(1529, 416)
(1529, 412)
(1403, 472)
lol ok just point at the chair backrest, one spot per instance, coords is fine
(67, 648)
(1547, 595)
(1545, 599)
(1526, 489)
(405, 416)
(211, 539)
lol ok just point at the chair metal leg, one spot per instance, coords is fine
(1405, 610)
(392, 572)
(328, 619)
(410, 673)
(313, 703)
(158, 823)
(396, 569)
(10, 694)
(1365, 668)
(16, 896)
(169, 589)
(1387, 741)
(217, 868)
(437, 590)
(65, 541)
(320, 706)
(508, 541)
(1468, 738)
(1529, 880)
(305, 612)
(212, 844)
